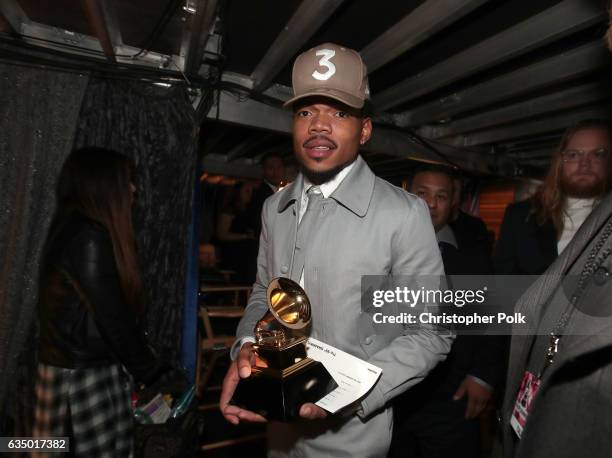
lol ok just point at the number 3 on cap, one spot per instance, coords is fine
(324, 62)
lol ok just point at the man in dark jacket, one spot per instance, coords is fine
(468, 229)
(439, 416)
(273, 168)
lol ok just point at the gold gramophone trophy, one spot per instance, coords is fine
(284, 378)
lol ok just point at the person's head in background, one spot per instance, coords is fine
(434, 184)
(580, 168)
(273, 167)
(238, 197)
(99, 184)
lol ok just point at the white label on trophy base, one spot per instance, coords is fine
(354, 376)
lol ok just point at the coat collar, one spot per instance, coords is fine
(354, 193)
(291, 193)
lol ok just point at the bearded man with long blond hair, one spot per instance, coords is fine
(534, 232)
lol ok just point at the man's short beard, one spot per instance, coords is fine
(319, 178)
(579, 191)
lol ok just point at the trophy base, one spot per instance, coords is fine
(278, 394)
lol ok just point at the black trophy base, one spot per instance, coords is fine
(279, 394)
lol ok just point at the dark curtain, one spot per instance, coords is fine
(156, 127)
(38, 114)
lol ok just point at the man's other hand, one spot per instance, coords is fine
(477, 396)
(312, 412)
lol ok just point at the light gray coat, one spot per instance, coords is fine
(366, 227)
(571, 413)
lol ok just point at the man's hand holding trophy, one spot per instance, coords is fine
(273, 378)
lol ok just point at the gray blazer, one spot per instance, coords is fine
(366, 227)
(571, 414)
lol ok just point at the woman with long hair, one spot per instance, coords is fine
(90, 308)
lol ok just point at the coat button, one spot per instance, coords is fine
(284, 269)
(367, 340)
(601, 276)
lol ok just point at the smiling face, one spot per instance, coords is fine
(326, 136)
(436, 189)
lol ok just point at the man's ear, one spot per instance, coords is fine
(366, 130)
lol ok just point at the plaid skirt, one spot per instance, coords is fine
(90, 406)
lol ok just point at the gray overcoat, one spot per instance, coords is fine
(571, 412)
(366, 227)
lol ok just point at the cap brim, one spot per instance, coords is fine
(340, 96)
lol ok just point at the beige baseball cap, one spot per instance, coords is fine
(330, 70)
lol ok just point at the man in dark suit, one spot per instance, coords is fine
(273, 167)
(468, 229)
(535, 231)
(439, 416)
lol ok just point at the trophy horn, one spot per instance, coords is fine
(289, 304)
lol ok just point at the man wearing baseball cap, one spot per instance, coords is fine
(335, 223)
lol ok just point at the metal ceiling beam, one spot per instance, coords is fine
(44, 36)
(554, 70)
(198, 28)
(276, 91)
(99, 16)
(537, 154)
(304, 23)
(552, 24)
(531, 142)
(562, 100)
(425, 21)
(243, 148)
(397, 143)
(542, 146)
(249, 112)
(112, 22)
(217, 164)
(283, 146)
(546, 124)
(13, 15)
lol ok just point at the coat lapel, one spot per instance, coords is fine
(537, 296)
(590, 328)
(291, 194)
(355, 191)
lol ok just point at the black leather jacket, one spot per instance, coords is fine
(84, 320)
